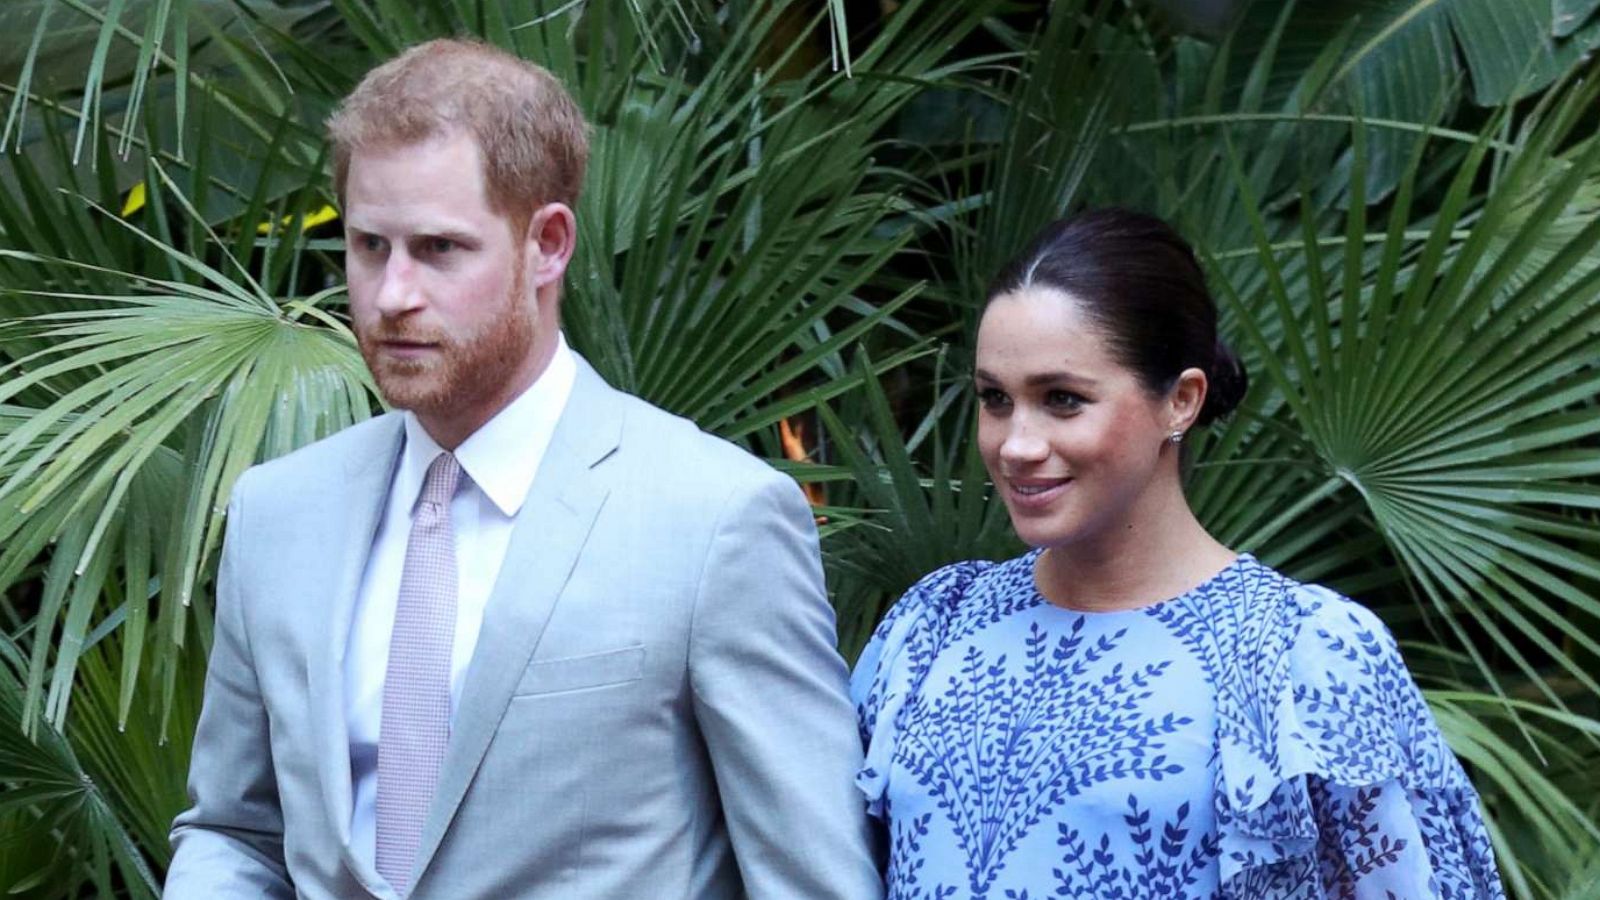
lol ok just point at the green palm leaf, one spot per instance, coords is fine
(901, 521)
(167, 392)
(50, 792)
(1534, 818)
(1406, 59)
(1444, 399)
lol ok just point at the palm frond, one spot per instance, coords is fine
(904, 522)
(170, 390)
(1446, 400)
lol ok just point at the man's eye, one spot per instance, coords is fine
(993, 398)
(370, 243)
(439, 246)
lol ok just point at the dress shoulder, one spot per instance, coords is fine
(1333, 774)
(892, 665)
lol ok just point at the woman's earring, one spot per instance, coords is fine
(1175, 438)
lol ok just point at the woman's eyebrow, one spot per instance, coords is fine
(1039, 379)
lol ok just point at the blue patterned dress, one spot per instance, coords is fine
(1253, 739)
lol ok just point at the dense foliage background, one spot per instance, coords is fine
(790, 212)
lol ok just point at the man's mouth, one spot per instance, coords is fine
(406, 348)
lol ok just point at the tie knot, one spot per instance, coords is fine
(439, 485)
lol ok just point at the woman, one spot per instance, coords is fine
(1131, 709)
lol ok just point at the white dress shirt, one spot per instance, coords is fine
(500, 460)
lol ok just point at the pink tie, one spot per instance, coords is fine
(416, 687)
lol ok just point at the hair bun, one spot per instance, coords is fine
(1228, 382)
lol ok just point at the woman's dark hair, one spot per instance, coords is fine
(1140, 283)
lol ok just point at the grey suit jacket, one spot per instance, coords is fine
(655, 708)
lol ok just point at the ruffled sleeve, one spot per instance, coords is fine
(1334, 780)
(891, 668)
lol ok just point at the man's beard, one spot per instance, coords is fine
(465, 369)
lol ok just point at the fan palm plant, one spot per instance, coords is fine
(754, 247)
(155, 344)
(1438, 404)
(724, 247)
(1421, 428)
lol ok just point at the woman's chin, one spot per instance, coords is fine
(1036, 531)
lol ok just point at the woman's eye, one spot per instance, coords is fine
(1065, 400)
(992, 398)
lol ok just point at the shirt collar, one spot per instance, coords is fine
(501, 457)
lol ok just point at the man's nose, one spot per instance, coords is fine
(400, 292)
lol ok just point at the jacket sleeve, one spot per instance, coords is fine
(770, 699)
(229, 842)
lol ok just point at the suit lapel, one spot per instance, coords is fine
(357, 492)
(549, 535)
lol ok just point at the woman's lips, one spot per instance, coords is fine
(1035, 493)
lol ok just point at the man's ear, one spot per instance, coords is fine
(1186, 398)
(551, 238)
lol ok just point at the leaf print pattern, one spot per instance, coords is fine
(1254, 738)
(995, 750)
(1162, 868)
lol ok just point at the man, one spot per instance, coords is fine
(531, 637)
